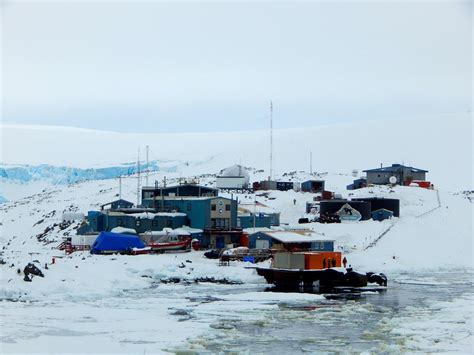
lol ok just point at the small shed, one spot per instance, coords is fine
(381, 214)
(312, 186)
(357, 184)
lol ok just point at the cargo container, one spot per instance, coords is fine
(423, 184)
(83, 240)
(326, 195)
(376, 203)
(321, 260)
(312, 186)
(284, 185)
(289, 261)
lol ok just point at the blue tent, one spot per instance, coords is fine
(109, 243)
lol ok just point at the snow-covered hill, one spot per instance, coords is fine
(440, 144)
(26, 219)
(121, 303)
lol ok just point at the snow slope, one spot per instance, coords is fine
(120, 304)
(441, 144)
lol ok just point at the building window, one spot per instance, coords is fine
(189, 207)
(220, 223)
(213, 207)
(227, 207)
(138, 222)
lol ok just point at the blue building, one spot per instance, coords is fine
(291, 241)
(258, 213)
(381, 214)
(100, 221)
(312, 186)
(357, 184)
(404, 174)
(202, 212)
(260, 220)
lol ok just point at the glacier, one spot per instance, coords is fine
(60, 175)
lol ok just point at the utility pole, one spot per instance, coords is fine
(147, 165)
(138, 178)
(254, 210)
(271, 141)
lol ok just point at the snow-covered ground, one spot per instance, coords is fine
(123, 303)
(130, 304)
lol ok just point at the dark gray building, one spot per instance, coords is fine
(404, 174)
(183, 190)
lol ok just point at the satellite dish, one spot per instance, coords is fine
(393, 180)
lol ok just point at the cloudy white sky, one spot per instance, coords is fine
(168, 67)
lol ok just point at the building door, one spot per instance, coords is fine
(262, 244)
(220, 242)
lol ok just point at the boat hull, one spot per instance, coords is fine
(328, 278)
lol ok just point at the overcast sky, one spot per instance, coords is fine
(167, 67)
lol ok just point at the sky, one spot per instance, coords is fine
(200, 67)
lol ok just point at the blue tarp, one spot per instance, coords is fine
(108, 243)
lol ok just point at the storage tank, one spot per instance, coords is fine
(332, 206)
(391, 204)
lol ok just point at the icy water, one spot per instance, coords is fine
(413, 314)
(417, 313)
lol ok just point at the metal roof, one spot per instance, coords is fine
(395, 168)
(293, 237)
(121, 200)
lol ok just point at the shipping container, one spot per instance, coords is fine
(376, 203)
(423, 184)
(321, 260)
(289, 261)
(244, 240)
(83, 240)
(326, 195)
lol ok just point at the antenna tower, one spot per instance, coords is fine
(271, 140)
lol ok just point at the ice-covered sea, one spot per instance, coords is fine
(429, 312)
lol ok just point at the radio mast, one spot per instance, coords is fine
(271, 141)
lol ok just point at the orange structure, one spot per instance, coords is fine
(322, 260)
